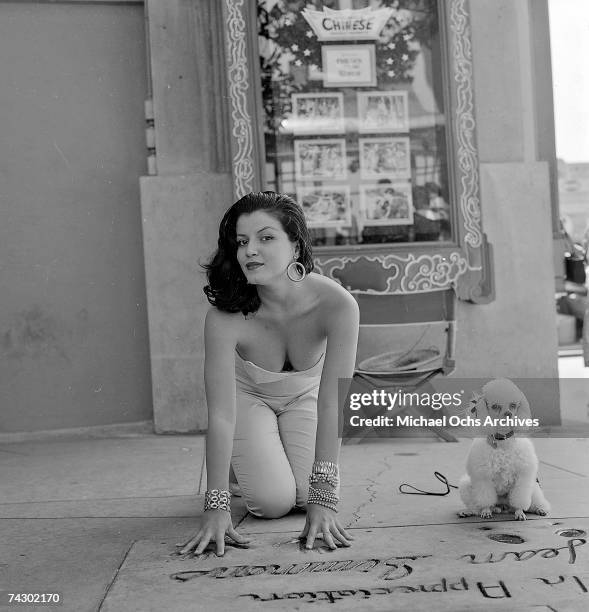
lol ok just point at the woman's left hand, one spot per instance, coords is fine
(323, 520)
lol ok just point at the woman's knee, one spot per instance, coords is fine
(272, 502)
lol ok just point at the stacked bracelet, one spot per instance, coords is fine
(327, 478)
(321, 497)
(217, 499)
(325, 467)
(325, 471)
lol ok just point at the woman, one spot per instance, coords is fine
(277, 340)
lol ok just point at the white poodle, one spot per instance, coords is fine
(501, 469)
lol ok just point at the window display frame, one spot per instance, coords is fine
(465, 262)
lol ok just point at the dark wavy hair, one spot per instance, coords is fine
(228, 289)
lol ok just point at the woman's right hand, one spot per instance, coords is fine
(215, 524)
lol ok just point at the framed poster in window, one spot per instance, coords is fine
(326, 205)
(320, 159)
(383, 111)
(384, 158)
(317, 113)
(386, 203)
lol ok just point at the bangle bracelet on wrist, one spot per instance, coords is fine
(321, 497)
(217, 499)
(324, 504)
(325, 467)
(328, 479)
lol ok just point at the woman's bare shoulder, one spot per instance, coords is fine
(223, 324)
(333, 297)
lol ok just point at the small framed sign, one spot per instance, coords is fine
(348, 65)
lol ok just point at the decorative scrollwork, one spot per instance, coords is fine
(238, 80)
(467, 158)
(402, 273)
(435, 271)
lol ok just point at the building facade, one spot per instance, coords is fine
(417, 135)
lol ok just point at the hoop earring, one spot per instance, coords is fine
(298, 266)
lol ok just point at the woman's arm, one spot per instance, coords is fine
(342, 322)
(342, 340)
(220, 342)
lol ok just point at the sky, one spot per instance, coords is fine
(569, 41)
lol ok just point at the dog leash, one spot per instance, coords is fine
(417, 491)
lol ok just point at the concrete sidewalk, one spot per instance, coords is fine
(97, 520)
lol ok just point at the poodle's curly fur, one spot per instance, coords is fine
(502, 475)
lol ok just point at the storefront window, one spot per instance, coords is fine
(354, 117)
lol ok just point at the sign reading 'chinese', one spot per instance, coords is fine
(347, 24)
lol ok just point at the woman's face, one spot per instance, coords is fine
(264, 249)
